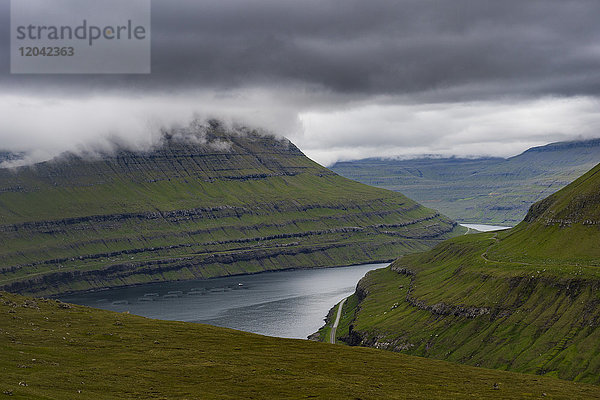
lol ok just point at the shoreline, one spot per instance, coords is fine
(58, 296)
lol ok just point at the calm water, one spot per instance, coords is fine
(485, 228)
(288, 304)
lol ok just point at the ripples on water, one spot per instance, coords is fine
(285, 303)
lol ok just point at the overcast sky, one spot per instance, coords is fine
(344, 79)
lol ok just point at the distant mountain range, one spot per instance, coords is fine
(524, 299)
(483, 190)
(206, 202)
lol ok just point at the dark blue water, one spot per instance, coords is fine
(288, 304)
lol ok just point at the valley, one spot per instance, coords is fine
(524, 299)
(333, 200)
(208, 202)
(205, 202)
(480, 190)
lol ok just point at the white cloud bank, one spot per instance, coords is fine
(469, 129)
(44, 127)
(327, 132)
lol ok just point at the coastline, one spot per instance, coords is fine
(69, 293)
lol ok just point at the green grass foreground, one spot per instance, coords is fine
(51, 350)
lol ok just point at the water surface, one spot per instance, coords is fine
(485, 228)
(288, 304)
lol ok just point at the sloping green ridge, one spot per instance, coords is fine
(52, 350)
(202, 204)
(526, 299)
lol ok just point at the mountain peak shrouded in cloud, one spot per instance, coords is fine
(210, 133)
(344, 79)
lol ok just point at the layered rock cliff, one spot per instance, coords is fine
(206, 201)
(525, 299)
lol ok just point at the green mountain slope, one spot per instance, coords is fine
(207, 202)
(526, 299)
(486, 190)
(52, 350)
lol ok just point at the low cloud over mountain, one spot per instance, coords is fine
(343, 79)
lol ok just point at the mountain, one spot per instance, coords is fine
(206, 202)
(482, 190)
(525, 299)
(53, 350)
(10, 156)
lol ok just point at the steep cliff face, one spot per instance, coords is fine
(206, 202)
(526, 299)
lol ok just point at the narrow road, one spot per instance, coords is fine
(337, 321)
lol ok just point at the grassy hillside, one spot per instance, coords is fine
(52, 350)
(485, 190)
(525, 299)
(206, 202)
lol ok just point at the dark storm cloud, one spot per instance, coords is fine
(439, 49)
(384, 47)
(344, 79)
